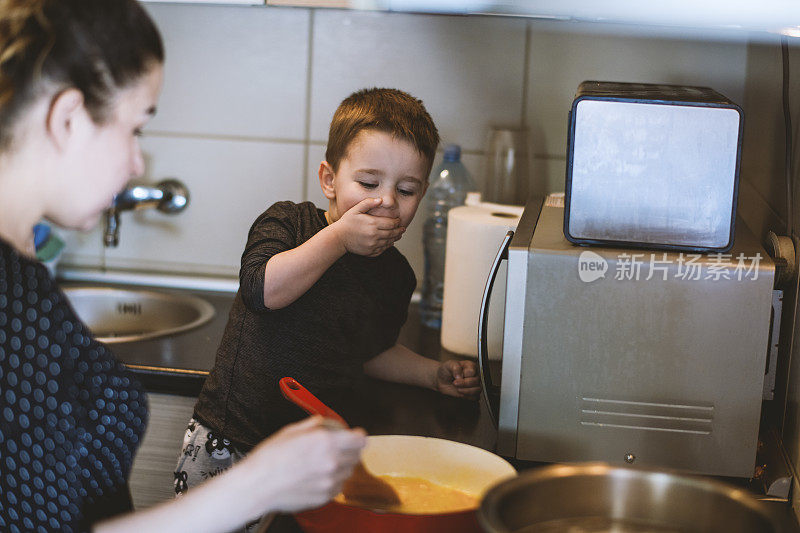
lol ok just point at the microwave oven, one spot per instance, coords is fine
(652, 358)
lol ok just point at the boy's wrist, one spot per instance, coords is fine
(434, 379)
(337, 243)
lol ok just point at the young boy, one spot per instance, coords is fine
(323, 294)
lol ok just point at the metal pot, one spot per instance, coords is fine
(449, 463)
(596, 497)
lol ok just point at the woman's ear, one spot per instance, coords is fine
(65, 113)
(326, 176)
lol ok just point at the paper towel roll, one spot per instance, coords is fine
(474, 235)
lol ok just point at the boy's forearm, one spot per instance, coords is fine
(288, 275)
(401, 365)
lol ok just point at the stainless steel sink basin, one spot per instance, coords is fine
(126, 315)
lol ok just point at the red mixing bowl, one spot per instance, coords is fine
(453, 464)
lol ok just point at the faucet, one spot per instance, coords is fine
(168, 196)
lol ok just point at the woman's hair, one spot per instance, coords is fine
(388, 110)
(96, 46)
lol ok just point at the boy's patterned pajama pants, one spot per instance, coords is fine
(204, 455)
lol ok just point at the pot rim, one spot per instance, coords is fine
(489, 509)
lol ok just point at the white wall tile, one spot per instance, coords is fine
(233, 70)
(561, 58)
(83, 249)
(316, 154)
(467, 71)
(548, 175)
(230, 182)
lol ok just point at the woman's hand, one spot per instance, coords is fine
(301, 466)
(458, 378)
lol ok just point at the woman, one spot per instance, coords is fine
(78, 81)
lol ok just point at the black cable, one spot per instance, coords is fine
(787, 120)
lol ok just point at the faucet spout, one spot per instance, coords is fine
(168, 196)
(111, 233)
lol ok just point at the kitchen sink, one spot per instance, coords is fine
(127, 315)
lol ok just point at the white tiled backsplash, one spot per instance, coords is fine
(249, 93)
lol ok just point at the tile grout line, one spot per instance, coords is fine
(220, 137)
(307, 125)
(525, 75)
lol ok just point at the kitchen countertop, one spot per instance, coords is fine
(180, 363)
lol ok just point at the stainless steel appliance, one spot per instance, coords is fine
(630, 356)
(599, 498)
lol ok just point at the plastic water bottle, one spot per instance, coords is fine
(449, 184)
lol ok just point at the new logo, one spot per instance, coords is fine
(591, 266)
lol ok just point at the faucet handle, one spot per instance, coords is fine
(176, 196)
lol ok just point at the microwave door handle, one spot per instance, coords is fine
(491, 393)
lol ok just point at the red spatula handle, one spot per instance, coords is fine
(301, 397)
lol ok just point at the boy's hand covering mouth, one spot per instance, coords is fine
(360, 233)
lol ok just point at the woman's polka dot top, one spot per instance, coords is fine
(71, 416)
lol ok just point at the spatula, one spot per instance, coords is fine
(362, 486)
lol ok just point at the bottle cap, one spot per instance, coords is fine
(452, 152)
(473, 198)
